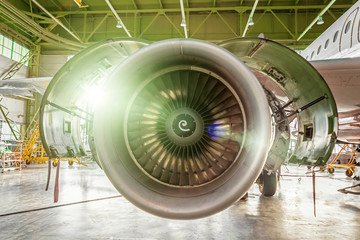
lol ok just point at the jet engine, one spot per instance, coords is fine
(182, 127)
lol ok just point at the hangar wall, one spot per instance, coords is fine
(50, 64)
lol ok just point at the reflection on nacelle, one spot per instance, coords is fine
(183, 128)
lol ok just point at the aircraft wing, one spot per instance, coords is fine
(24, 87)
(342, 75)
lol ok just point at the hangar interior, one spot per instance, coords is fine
(39, 37)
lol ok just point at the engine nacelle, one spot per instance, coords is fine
(185, 131)
(183, 128)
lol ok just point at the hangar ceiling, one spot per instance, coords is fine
(72, 27)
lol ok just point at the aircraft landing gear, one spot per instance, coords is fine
(268, 183)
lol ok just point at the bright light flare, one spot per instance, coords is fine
(94, 95)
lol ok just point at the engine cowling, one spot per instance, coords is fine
(183, 128)
(185, 131)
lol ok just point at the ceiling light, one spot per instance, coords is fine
(183, 23)
(251, 21)
(320, 21)
(119, 24)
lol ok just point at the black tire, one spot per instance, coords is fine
(27, 162)
(348, 172)
(268, 184)
(331, 170)
(71, 162)
(54, 164)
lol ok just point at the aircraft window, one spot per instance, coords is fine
(335, 36)
(312, 55)
(326, 44)
(319, 49)
(347, 27)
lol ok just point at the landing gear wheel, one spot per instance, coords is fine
(349, 172)
(27, 162)
(331, 170)
(268, 183)
(71, 162)
(55, 164)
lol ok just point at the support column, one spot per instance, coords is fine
(33, 105)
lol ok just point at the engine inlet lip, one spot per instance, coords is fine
(239, 139)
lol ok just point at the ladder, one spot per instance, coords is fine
(27, 145)
(30, 144)
(17, 66)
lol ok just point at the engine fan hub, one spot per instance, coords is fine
(184, 126)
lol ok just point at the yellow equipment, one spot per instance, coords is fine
(30, 147)
(345, 149)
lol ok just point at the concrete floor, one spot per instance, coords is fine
(287, 215)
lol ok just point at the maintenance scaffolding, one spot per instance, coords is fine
(350, 165)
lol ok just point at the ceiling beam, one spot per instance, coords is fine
(332, 15)
(183, 20)
(201, 24)
(16, 35)
(315, 19)
(31, 8)
(57, 4)
(117, 17)
(38, 16)
(227, 24)
(134, 3)
(202, 9)
(250, 18)
(56, 20)
(258, 19)
(149, 25)
(283, 24)
(49, 28)
(174, 26)
(97, 27)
